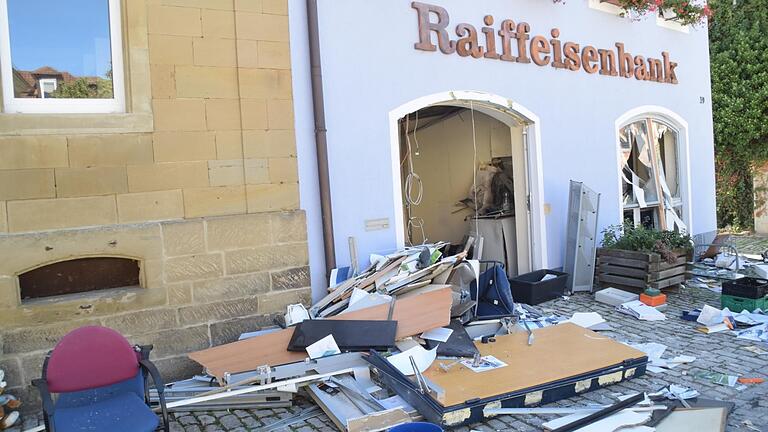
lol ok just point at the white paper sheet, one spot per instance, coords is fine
(710, 316)
(295, 314)
(365, 300)
(440, 334)
(586, 319)
(422, 357)
(323, 348)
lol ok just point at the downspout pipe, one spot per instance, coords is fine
(321, 135)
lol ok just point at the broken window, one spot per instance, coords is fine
(650, 175)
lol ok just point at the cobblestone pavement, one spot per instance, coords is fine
(752, 244)
(717, 352)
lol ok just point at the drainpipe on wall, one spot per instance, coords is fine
(321, 137)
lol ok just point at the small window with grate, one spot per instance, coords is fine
(79, 276)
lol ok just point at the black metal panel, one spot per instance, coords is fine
(349, 335)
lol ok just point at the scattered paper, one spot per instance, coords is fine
(422, 357)
(641, 311)
(678, 392)
(486, 363)
(683, 359)
(711, 316)
(296, 313)
(749, 318)
(323, 348)
(656, 364)
(757, 333)
(440, 334)
(586, 319)
(756, 350)
(654, 351)
(361, 299)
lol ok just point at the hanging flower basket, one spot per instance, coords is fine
(683, 12)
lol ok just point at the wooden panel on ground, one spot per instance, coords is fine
(415, 314)
(559, 352)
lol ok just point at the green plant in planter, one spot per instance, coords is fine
(642, 239)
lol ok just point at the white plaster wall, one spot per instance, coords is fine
(370, 68)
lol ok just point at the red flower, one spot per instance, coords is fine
(707, 11)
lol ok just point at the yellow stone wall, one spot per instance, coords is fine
(223, 140)
(205, 195)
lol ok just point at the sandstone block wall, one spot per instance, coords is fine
(204, 281)
(204, 194)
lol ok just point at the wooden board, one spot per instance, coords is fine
(414, 315)
(641, 274)
(558, 352)
(636, 256)
(621, 280)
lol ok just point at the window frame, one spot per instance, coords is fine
(676, 124)
(14, 105)
(42, 82)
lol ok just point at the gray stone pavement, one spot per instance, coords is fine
(752, 244)
(719, 352)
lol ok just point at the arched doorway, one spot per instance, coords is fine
(484, 123)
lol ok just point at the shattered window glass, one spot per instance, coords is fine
(650, 175)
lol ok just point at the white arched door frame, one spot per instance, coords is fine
(504, 110)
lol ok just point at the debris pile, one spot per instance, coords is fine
(8, 405)
(423, 333)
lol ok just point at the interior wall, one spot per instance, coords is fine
(445, 163)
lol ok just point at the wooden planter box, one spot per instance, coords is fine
(639, 270)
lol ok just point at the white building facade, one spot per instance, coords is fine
(574, 88)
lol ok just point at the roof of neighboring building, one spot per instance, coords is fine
(25, 82)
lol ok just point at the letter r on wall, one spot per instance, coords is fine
(426, 27)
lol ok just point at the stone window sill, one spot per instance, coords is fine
(57, 124)
(86, 297)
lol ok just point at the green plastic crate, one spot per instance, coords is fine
(738, 304)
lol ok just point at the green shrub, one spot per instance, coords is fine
(642, 239)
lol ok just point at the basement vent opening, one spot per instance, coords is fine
(79, 276)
